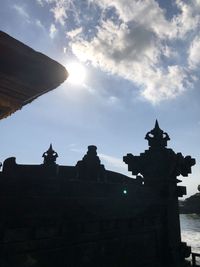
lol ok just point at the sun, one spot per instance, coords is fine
(77, 73)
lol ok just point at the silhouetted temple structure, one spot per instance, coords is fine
(24, 74)
(87, 216)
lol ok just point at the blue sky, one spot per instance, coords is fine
(142, 62)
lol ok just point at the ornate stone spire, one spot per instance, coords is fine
(159, 165)
(50, 156)
(156, 137)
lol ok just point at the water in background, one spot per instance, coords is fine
(190, 231)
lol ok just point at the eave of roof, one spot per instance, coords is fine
(25, 74)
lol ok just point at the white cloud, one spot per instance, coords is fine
(22, 12)
(40, 2)
(72, 34)
(39, 24)
(194, 53)
(188, 19)
(115, 44)
(146, 13)
(113, 162)
(113, 100)
(52, 31)
(110, 162)
(59, 12)
(138, 42)
(133, 53)
(169, 52)
(59, 9)
(165, 85)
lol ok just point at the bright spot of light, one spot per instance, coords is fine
(77, 73)
(125, 191)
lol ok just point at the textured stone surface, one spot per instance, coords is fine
(24, 74)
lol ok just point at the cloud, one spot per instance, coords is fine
(146, 13)
(193, 53)
(59, 12)
(133, 53)
(22, 12)
(188, 18)
(134, 46)
(52, 31)
(169, 52)
(165, 85)
(39, 24)
(40, 2)
(113, 100)
(136, 41)
(59, 9)
(72, 34)
(115, 44)
(113, 162)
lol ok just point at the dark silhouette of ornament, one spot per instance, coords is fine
(159, 164)
(50, 156)
(90, 167)
(157, 138)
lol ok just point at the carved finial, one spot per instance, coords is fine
(92, 151)
(156, 137)
(157, 125)
(50, 156)
(91, 157)
(90, 167)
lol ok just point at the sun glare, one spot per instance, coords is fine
(77, 73)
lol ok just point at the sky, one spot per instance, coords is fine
(141, 61)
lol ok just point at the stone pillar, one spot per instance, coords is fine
(160, 167)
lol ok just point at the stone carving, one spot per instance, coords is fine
(90, 167)
(160, 167)
(50, 156)
(158, 164)
(156, 137)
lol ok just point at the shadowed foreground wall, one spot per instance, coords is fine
(86, 216)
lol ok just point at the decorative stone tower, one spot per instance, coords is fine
(160, 167)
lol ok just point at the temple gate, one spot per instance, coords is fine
(86, 216)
